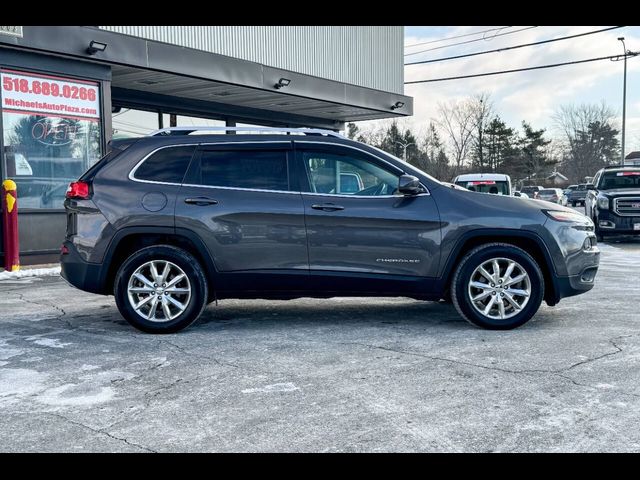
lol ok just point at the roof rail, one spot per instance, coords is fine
(188, 130)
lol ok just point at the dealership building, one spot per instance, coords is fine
(66, 91)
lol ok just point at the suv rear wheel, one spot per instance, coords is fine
(160, 289)
(497, 286)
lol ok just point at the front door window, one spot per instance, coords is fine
(344, 175)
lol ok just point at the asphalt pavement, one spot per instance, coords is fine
(331, 375)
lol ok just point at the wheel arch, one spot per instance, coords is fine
(530, 242)
(130, 239)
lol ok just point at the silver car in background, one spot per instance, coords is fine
(553, 195)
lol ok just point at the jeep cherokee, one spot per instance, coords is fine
(170, 222)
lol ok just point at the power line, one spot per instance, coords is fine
(457, 36)
(612, 57)
(513, 47)
(469, 41)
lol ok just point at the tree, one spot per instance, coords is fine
(533, 156)
(590, 138)
(393, 140)
(458, 121)
(352, 130)
(434, 160)
(482, 108)
(499, 146)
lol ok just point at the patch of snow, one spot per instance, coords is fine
(71, 394)
(605, 385)
(276, 387)
(7, 352)
(87, 367)
(109, 376)
(2, 364)
(20, 382)
(30, 272)
(47, 342)
(31, 359)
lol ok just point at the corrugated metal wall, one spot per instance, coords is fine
(368, 56)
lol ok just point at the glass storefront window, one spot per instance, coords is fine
(49, 139)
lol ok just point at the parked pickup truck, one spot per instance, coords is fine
(579, 195)
(614, 206)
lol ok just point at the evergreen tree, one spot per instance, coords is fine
(352, 130)
(533, 158)
(499, 146)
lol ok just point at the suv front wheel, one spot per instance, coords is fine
(160, 289)
(497, 286)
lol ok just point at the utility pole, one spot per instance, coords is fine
(480, 134)
(624, 99)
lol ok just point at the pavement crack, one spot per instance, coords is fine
(59, 309)
(102, 432)
(593, 359)
(443, 359)
(558, 371)
(198, 355)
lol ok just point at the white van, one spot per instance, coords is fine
(496, 183)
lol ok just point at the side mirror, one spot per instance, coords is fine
(516, 194)
(409, 185)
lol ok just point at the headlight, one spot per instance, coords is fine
(603, 203)
(562, 216)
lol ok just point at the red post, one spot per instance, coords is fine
(10, 226)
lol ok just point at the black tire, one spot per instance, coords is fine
(192, 269)
(573, 204)
(597, 231)
(476, 257)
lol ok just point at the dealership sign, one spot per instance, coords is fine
(47, 95)
(15, 31)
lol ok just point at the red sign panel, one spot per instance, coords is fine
(27, 92)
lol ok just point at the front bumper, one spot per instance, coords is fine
(575, 261)
(575, 284)
(609, 222)
(80, 273)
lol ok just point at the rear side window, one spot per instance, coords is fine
(167, 165)
(261, 170)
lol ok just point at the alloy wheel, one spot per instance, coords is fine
(499, 288)
(159, 291)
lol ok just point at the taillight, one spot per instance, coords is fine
(78, 190)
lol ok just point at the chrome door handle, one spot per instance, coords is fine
(200, 201)
(327, 207)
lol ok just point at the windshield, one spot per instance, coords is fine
(547, 192)
(624, 179)
(485, 186)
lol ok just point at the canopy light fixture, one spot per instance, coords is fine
(95, 47)
(397, 105)
(283, 82)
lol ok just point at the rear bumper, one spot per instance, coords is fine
(80, 273)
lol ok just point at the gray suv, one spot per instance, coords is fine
(171, 222)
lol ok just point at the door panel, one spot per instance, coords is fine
(388, 235)
(371, 230)
(244, 228)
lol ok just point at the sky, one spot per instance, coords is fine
(533, 95)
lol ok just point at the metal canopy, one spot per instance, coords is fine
(152, 75)
(222, 97)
